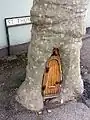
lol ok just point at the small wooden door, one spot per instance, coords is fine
(52, 75)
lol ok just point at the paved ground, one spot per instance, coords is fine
(70, 111)
(12, 74)
(85, 53)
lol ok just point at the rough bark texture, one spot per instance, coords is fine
(56, 23)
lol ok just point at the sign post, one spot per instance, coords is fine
(14, 22)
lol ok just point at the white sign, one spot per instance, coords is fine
(17, 21)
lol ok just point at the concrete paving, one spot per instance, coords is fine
(85, 52)
(70, 111)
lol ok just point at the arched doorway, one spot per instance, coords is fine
(52, 77)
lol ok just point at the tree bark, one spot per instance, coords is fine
(60, 24)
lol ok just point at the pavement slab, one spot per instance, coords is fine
(69, 111)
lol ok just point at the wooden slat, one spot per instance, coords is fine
(52, 76)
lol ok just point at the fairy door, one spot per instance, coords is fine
(52, 75)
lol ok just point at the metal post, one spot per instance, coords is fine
(7, 35)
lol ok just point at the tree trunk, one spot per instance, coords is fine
(60, 24)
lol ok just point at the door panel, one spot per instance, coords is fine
(52, 77)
